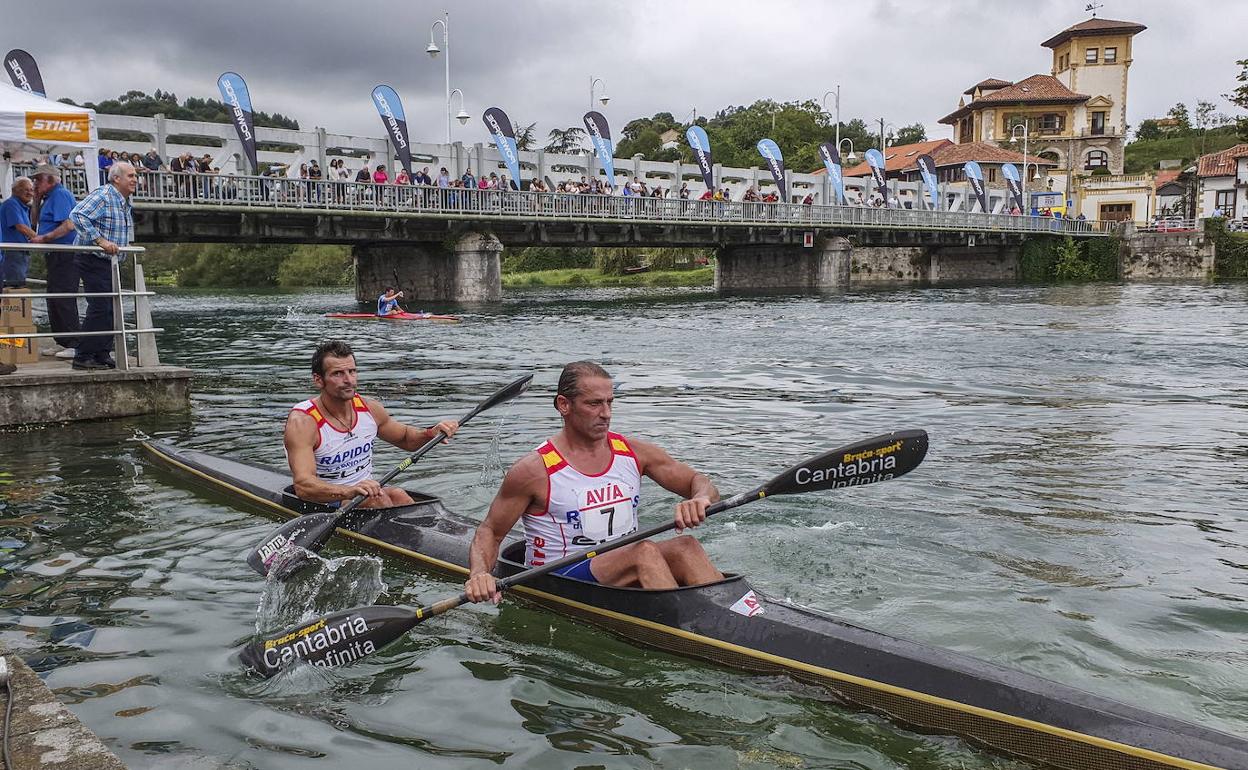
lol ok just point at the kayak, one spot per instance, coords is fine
(730, 623)
(441, 319)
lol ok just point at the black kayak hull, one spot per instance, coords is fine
(731, 624)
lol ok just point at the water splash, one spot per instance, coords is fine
(830, 526)
(321, 587)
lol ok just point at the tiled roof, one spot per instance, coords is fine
(1164, 178)
(899, 157)
(1221, 163)
(1094, 26)
(982, 152)
(1037, 89)
(989, 83)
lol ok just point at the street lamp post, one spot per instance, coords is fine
(463, 115)
(837, 94)
(693, 116)
(433, 52)
(1014, 140)
(594, 83)
(851, 157)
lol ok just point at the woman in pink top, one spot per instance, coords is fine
(380, 176)
(402, 177)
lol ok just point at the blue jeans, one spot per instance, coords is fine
(16, 264)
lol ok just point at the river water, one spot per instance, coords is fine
(1079, 516)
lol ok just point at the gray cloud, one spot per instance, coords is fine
(317, 62)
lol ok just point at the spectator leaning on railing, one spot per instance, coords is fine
(103, 219)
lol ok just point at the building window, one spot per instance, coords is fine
(1225, 200)
(1111, 55)
(1096, 159)
(1089, 56)
(1098, 123)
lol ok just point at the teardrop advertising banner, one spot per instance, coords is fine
(1014, 182)
(234, 94)
(975, 175)
(832, 162)
(24, 72)
(875, 159)
(775, 161)
(504, 135)
(927, 167)
(390, 108)
(701, 146)
(600, 136)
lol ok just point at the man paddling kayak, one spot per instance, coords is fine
(329, 439)
(582, 488)
(388, 302)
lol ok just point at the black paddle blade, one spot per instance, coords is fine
(505, 393)
(332, 640)
(864, 462)
(309, 531)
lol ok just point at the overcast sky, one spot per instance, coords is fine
(905, 60)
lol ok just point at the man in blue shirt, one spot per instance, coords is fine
(388, 303)
(15, 228)
(103, 219)
(55, 203)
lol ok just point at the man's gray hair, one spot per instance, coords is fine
(117, 169)
(18, 182)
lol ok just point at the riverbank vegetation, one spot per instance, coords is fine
(1232, 250)
(579, 266)
(1047, 259)
(231, 266)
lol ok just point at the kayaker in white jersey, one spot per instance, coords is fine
(329, 439)
(583, 487)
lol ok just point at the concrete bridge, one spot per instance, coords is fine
(445, 244)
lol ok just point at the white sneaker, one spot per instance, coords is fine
(66, 353)
(51, 351)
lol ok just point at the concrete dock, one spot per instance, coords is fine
(50, 391)
(44, 734)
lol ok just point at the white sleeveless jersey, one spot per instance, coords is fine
(343, 457)
(583, 510)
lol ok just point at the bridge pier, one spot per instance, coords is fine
(469, 271)
(763, 267)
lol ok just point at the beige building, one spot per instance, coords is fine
(1075, 117)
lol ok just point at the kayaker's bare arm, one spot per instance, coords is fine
(522, 489)
(300, 439)
(403, 436)
(676, 477)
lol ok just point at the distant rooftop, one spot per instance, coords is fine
(1094, 26)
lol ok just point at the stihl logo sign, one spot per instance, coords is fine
(59, 128)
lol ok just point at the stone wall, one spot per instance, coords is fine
(1152, 256)
(889, 265)
(758, 267)
(471, 271)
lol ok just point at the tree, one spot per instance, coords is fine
(912, 134)
(1148, 129)
(525, 136)
(1179, 113)
(1204, 115)
(1239, 96)
(565, 140)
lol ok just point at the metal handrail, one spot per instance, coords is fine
(143, 330)
(254, 193)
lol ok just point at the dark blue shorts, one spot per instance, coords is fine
(577, 571)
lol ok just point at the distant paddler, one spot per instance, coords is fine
(582, 488)
(388, 302)
(329, 439)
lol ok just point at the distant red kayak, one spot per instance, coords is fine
(442, 319)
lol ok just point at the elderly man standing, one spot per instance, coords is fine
(104, 219)
(15, 228)
(55, 203)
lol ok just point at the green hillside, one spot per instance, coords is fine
(1142, 155)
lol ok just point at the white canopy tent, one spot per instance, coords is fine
(31, 126)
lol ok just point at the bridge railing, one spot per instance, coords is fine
(194, 190)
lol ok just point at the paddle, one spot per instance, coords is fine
(313, 530)
(346, 636)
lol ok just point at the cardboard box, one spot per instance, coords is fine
(19, 351)
(15, 308)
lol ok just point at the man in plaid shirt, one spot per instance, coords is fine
(104, 219)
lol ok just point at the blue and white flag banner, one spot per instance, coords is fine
(238, 100)
(701, 146)
(832, 162)
(600, 136)
(504, 135)
(1014, 182)
(875, 159)
(390, 108)
(927, 167)
(775, 161)
(975, 175)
